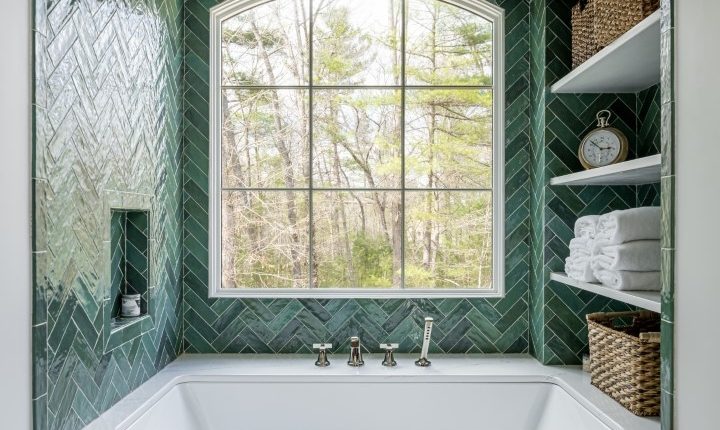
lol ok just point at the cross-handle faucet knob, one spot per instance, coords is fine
(355, 359)
(389, 360)
(322, 360)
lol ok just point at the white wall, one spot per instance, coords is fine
(15, 288)
(697, 303)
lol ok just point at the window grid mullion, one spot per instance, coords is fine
(403, 27)
(350, 190)
(311, 214)
(356, 87)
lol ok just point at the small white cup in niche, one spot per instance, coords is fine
(130, 305)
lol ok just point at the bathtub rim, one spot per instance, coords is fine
(296, 368)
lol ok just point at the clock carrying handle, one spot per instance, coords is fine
(603, 118)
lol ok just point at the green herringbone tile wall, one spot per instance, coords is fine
(667, 139)
(227, 325)
(556, 316)
(648, 135)
(648, 130)
(108, 117)
(559, 331)
(538, 178)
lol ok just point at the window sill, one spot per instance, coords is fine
(353, 293)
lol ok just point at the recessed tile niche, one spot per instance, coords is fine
(128, 260)
(128, 244)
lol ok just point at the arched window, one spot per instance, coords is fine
(356, 148)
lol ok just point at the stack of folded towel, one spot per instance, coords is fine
(621, 250)
(627, 249)
(579, 264)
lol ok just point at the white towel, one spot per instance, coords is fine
(579, 268)
(578, 264)
(626, 280)
(586, 226)
(641, 256)
(581, 247)
(628, 225)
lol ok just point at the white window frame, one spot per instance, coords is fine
(482, 8)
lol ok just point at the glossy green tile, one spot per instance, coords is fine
(666, 410)
(666, 356)
(667, 203)
(667, 138)
(40, 412)
(40, 360)
(121, 143)
(40, 282)
(667, 59)
(648, 109)
(667, 43)
(668, 285)
(667, 17)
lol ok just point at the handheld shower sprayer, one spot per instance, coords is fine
(423, 361)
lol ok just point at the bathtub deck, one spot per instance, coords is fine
(446, 368)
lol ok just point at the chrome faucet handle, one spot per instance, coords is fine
(355, 359)
(322, 360)
(389, 360)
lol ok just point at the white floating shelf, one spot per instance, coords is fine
(641, 171)
(628, 65)
(649, 300)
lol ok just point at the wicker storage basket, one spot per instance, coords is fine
(625, 360)
(584, 45)
(597, 23)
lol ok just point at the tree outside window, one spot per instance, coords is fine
(356, 146)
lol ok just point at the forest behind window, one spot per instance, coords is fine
(356, 146)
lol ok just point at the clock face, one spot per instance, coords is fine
(601, 148)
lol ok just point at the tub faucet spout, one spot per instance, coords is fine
(355, 359)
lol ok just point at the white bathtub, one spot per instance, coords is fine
(202, 392)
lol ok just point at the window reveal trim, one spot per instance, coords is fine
(481, 8)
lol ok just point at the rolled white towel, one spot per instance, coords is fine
(586, 226)
(641, 256)
(581, 247)
(579, 268)
(629, 281)
(578, 260)
(629, 225)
